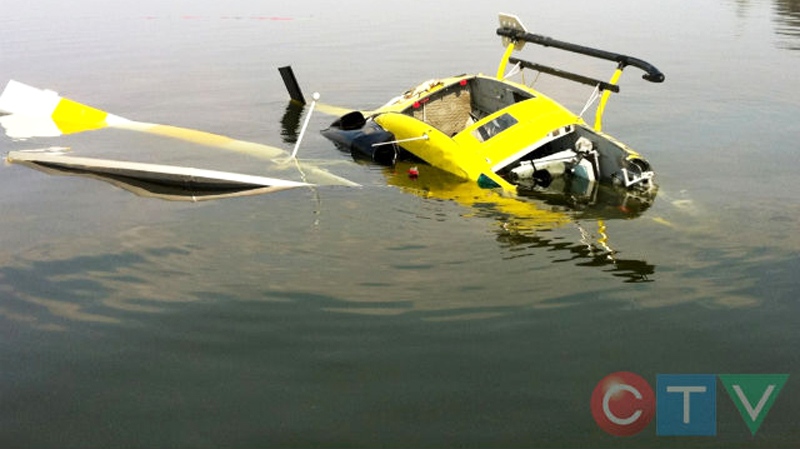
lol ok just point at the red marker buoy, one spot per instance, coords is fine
(413, 172)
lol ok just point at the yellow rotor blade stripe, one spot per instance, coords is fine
(73, 117)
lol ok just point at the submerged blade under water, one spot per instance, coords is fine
(152, 180)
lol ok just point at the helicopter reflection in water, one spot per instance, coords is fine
(521, 219)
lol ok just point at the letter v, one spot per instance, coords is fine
(740, 386)
(753, 412)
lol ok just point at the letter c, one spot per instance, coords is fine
(614, 418)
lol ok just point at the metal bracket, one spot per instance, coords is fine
(633, 179)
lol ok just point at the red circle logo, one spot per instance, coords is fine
(623, 404)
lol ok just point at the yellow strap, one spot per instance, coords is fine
(501, 70)
(598, 118)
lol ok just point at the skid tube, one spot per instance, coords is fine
(652, 74)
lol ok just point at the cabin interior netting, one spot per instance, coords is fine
(456, 107)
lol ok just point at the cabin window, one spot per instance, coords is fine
(494, 127)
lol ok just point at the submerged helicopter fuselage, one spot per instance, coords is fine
(499, 133)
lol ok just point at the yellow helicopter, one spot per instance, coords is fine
(496, 132)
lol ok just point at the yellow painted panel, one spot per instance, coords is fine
(438, 149)
(536, 118)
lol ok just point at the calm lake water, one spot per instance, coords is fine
(380, 316)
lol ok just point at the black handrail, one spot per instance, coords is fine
(652, 74)
(602, 85)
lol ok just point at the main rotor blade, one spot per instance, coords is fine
(34, 112)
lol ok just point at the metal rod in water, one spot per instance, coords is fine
(410, 139)
(315, 97)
